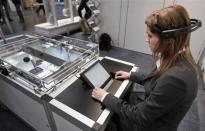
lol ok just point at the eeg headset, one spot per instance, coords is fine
(195, 24)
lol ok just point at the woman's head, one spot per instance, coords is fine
(169, 48)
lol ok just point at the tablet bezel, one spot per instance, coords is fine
(89, 82)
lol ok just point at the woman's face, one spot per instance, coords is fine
(152, 39)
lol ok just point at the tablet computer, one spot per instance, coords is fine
(96, 75)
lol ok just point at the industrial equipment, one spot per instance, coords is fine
(41, 82)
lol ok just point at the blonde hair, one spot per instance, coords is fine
(173, 48)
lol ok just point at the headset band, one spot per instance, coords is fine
(195, 24)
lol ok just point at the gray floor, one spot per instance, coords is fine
(193, 121)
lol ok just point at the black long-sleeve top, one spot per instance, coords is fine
(88, 11)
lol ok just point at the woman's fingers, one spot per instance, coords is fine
(97, 93)
(121, 75)
(118, 74)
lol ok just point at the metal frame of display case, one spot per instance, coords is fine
(61, 100)
(87, 51)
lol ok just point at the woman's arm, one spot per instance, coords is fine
(165, 95)
(139, 75)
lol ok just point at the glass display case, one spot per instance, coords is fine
(41, 82)
(44, 62)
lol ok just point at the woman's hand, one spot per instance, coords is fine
(98, 93)
(122, 75)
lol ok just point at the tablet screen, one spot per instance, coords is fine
(97, 75)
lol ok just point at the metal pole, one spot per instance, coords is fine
(50, 10)
(68, 9)
(71, 9)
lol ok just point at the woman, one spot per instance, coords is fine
(41, 7)
(17, 4)
(88, 12)
(4, 3)
(83, 21)
(171, 87)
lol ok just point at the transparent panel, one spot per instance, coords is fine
(45, 61)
